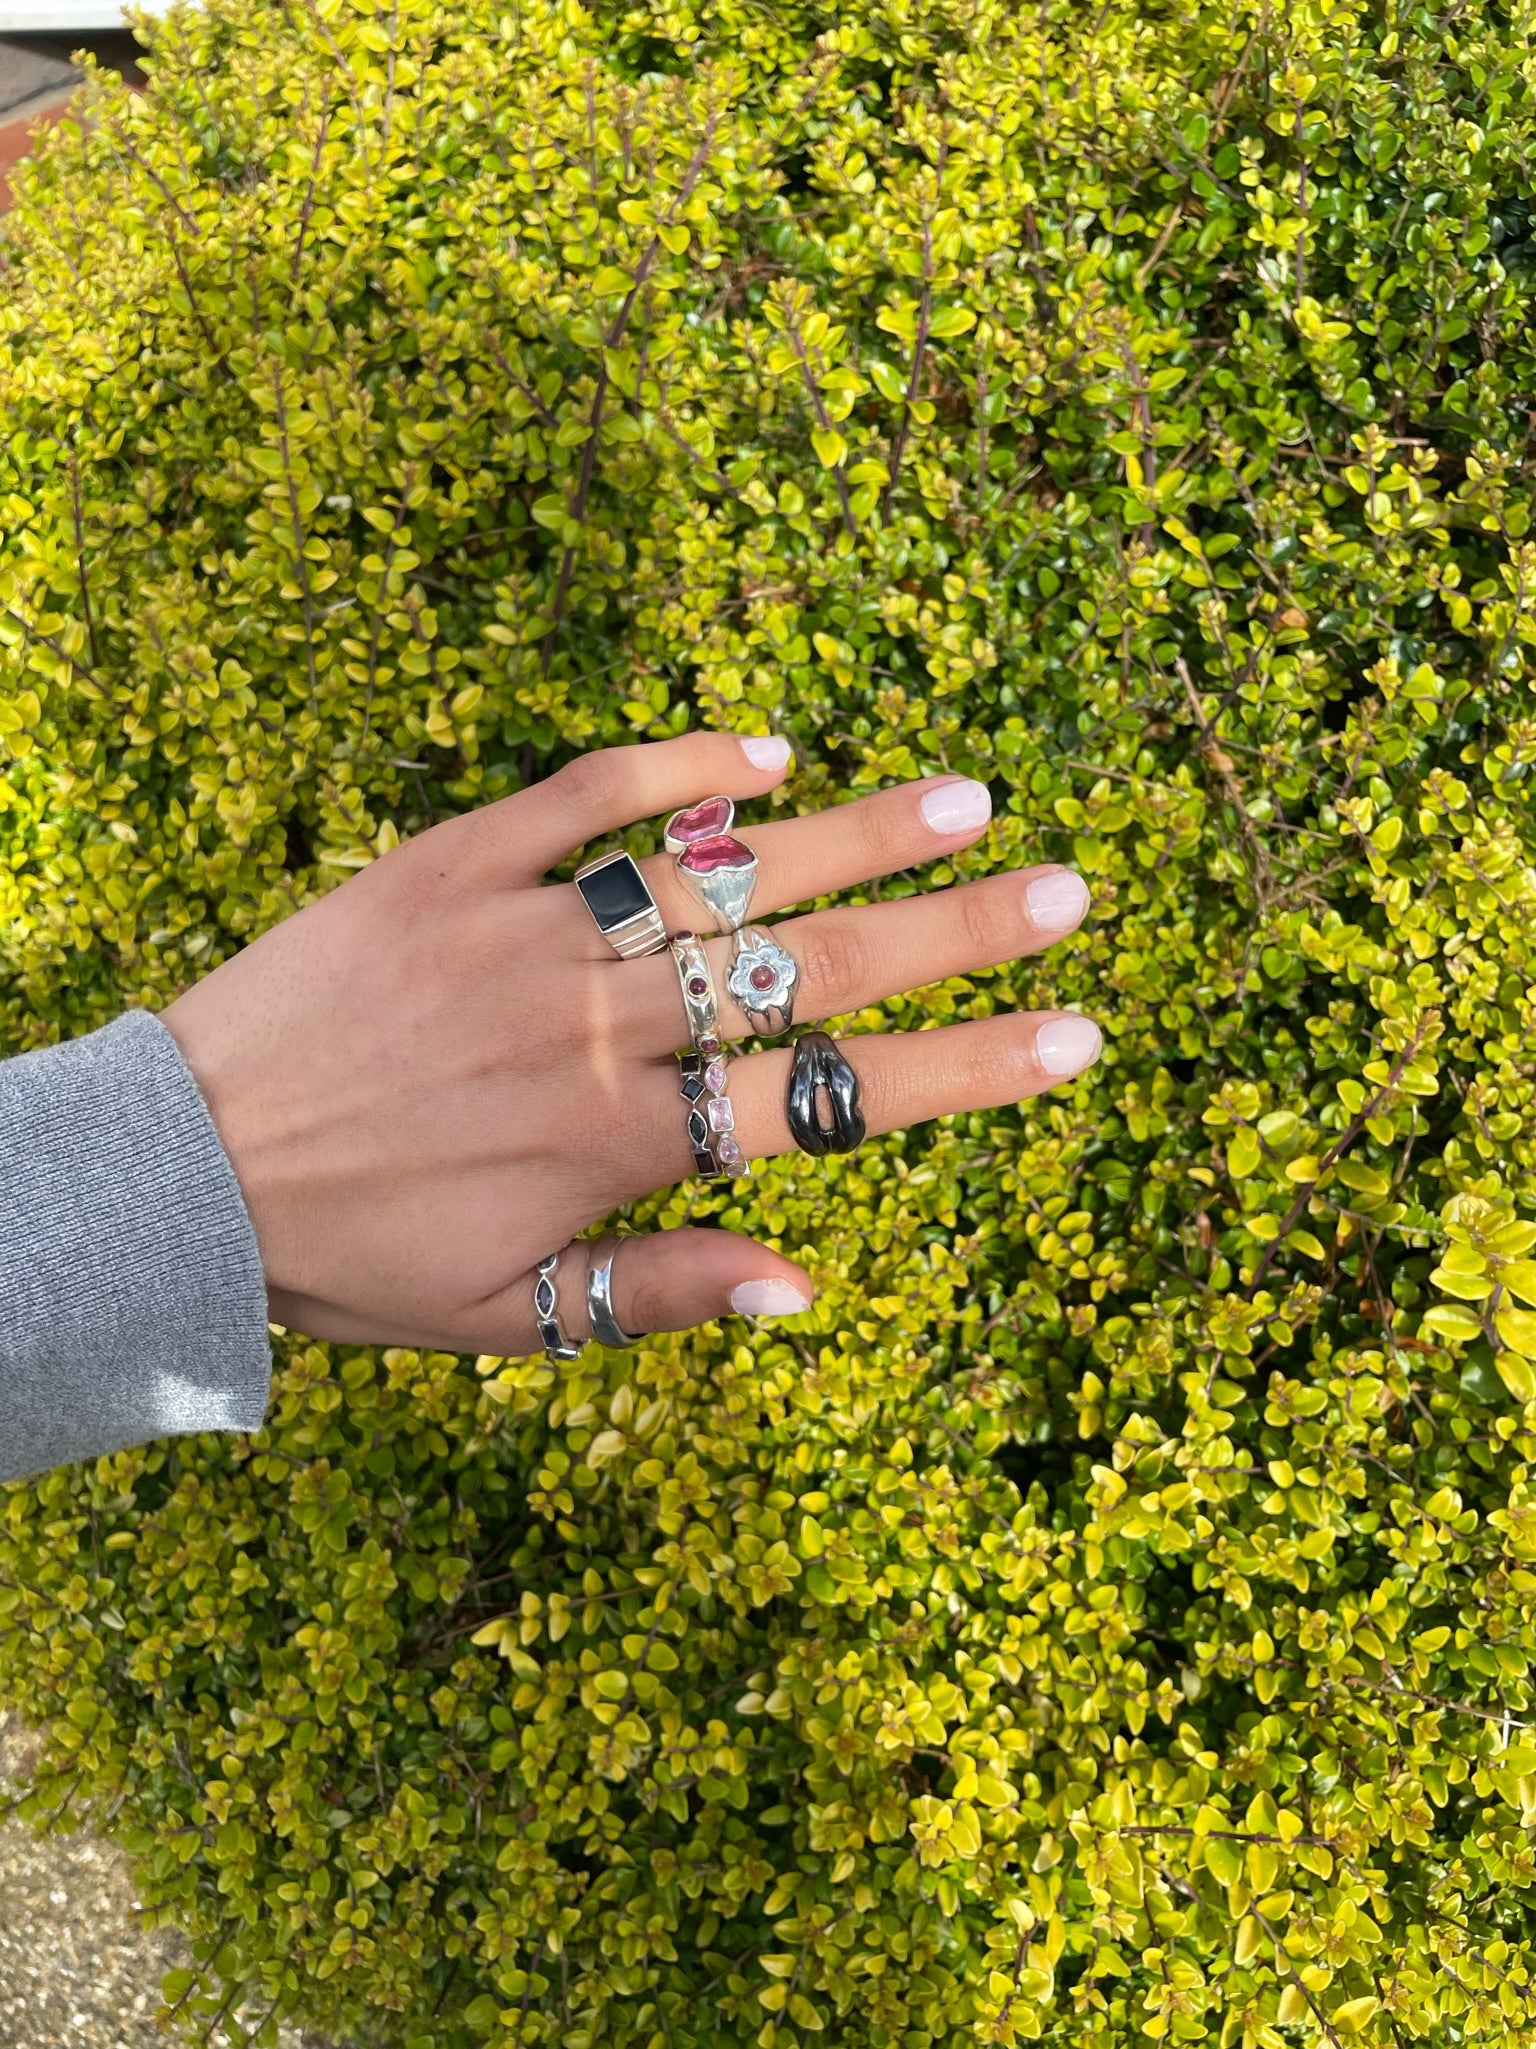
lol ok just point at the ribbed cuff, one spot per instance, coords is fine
(132, 1299)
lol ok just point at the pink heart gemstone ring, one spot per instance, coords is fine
(719, 870)
(704, 821)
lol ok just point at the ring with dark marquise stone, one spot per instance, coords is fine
(546, 1308)
(762, 980)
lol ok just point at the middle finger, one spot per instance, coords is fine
(862, 954)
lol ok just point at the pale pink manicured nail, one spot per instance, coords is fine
(1066, 1045)
(956, 807)
(769, 1298)
(764, 753)
(1058, 901)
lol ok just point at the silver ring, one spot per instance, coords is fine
(763, 980)
(700, 1003)
(606, 1327)
(622, 907)
(546, 1308)
(718, 870)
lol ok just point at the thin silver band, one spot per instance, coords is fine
(644, 935)
(700, 1002)
(546, 1308)
(605, 1325)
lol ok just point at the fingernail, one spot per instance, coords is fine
(1057, 901)
(769, 1298)
(1066, 1045)
(765, 753)
(957, 807)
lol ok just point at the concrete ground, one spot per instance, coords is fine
(77, 1970)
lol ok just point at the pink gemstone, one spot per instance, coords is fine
(714, 1075)
(697, 986)
(721, 1116)
(708, 1045)
(762, 978)
(702, 821)
(728, 1150)
(708, 857)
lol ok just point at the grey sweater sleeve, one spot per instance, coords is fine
(132, 1301)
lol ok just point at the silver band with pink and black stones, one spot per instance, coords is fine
(702, 1070)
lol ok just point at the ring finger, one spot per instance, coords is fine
(904, 1078)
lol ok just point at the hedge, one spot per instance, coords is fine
(1107, 1618)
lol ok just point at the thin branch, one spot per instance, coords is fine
(1341, 1145)
(577, 509)
(920, 339)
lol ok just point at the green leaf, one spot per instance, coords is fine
(1446, 1321)
(1517, 1327)
(951, 320)
(1352, 2016)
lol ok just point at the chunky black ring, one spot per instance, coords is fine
(818, 1065)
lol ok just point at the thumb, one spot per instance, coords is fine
(664, 1280)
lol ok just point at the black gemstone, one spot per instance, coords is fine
(698, 1130)
(689, 1063)
(692, 1088)
(615, 893)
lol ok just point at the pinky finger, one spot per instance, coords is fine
(666, 1280)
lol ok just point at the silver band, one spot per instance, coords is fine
(546, 1308)
(605, 1325)
(699, 999)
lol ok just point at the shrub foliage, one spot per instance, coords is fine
(1108, 1617)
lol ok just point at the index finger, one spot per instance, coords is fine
(516, 840)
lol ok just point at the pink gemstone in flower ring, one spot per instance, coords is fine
(708, 857)
(714, 1076)
(727, 1150)
(704, 821)
(721, 1116)
(762, 978)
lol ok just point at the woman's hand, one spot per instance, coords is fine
(440, 1072)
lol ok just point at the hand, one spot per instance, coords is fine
(440, 1072)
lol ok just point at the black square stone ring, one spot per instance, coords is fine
(623, 909)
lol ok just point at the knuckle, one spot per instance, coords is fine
(596, 781)
(881, 1091)
(998, 1064)
(834, 959)
(644, 1298)
(883, 831)
(993, 920)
